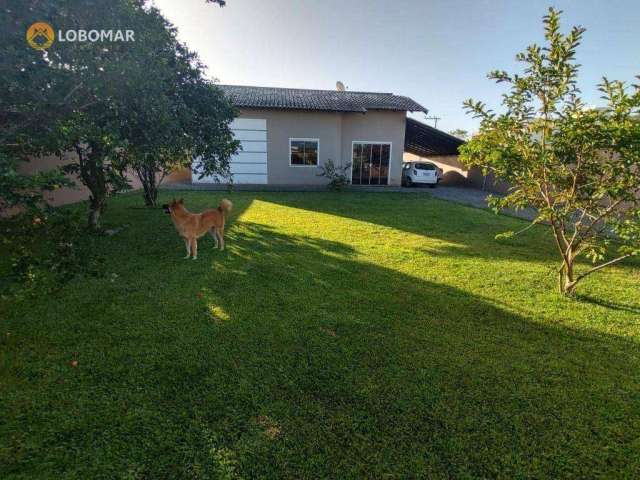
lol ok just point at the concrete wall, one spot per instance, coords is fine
(63, 195)
(486, 182)
(180, 176)
(376, 126)
(285, 124)
(79, 192)
(335, 131)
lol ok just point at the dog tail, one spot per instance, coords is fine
(225, 206)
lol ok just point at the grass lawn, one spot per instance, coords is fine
(351, 335)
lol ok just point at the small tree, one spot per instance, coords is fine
(578, 167)
(193, 122)
(173, 114)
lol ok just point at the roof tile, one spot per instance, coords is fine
(326, 100)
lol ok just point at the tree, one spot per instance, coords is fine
(63, 99)
(30, 104)
(460, 133)
(577, 166)
(173, 115)
(106, 92)
(193, 122)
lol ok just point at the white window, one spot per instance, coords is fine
(304, 152)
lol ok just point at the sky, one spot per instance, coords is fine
(437, 52)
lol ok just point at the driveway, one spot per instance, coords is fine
(475, 198)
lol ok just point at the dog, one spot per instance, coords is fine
(191, 226)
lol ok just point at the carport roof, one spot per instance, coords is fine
(323, 100)
(423, 140)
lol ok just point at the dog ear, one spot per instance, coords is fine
(181, 201)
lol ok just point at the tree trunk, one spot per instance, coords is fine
(147, 177)
(95, 213)
(566, 278)
(93, 176)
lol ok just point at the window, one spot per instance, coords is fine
(425, 166)
(303, 152)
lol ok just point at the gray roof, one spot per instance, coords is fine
(326, 100)
(424, 140)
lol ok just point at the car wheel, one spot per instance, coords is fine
(408, 182)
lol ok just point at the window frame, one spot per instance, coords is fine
(372, 142)
(300, 139)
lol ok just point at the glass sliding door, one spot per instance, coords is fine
(370, 163)
(385, 156)
(356, 164)
(375, 165)
(365, 179)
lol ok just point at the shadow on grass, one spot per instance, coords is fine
(369, 371)
(472, 229)
(623, 307)
(289, 357)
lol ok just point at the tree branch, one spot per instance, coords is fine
(593, 223)
(603, 265)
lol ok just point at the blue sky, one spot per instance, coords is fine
(437, 52)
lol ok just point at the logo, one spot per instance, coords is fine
(40, 35)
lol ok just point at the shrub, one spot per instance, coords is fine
(46, 249)
(337, 176)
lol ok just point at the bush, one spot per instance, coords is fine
(337, 176)
(46, 249)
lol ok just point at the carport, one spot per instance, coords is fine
(423, 142)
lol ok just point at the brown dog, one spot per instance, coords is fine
(191, 226)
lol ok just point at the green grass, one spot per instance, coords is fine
(352, 335)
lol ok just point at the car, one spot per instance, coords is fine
(421, 173)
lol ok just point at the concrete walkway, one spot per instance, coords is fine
(467, 196)
(476, 198)
(463, 195)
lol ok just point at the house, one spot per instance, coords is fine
(287, 133)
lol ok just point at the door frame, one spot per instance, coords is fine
(371, 142)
